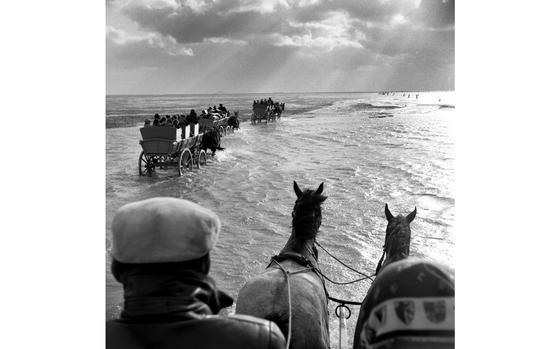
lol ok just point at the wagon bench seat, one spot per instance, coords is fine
(158, 140)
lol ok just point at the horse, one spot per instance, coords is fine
(233, 121)
(291, 292)
(211, 140)
(396, 247)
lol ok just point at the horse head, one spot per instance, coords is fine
(397, 236)
(306, 215)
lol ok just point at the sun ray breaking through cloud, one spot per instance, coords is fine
(202, 46)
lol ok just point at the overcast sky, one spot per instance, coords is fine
(205, 46)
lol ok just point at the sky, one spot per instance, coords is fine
(250, 46)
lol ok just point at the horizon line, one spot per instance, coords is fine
(262, 93)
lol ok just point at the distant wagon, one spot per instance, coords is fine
(210, 122)
(266, 112)
(161, 149)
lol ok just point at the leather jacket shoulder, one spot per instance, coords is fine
(207, 332)
(169, 306)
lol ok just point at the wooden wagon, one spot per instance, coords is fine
(161, 149)
(222, 125)
(266, 112)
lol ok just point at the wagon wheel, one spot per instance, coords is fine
(201, 159)
(185, 162)
(146, 165)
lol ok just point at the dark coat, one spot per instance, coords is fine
(171, 311)
(202, 332)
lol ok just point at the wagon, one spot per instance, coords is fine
(222, 125)
(266, 112)
(161, 149)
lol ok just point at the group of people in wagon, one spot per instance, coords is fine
(178, 121)
(167, 120)
(268, 101)
(271, 106)
(215, 113)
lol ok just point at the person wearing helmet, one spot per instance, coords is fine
(410, 304)
(161, 256)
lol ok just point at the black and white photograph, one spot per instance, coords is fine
(280, 174)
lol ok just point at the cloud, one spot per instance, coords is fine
(304, 24)
(339, 36)
(146, 50)
(193, 25)
(435, 14)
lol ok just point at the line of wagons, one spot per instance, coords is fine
(162, 147)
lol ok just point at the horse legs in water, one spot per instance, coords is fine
(303, 306)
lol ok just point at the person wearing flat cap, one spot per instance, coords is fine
(161, 256)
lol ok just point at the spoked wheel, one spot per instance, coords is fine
(185, 162)
(146, 165)
(201, 159)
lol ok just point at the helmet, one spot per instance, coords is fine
(412, 305)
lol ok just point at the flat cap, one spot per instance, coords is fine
(163, 229)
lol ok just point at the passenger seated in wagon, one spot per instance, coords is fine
(192, 118)
(171, 301)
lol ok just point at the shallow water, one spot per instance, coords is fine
(368, 149)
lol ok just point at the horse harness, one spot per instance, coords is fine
(303, 261)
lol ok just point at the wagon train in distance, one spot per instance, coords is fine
(166, 147)
(266, 110)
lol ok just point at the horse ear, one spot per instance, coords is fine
(297, 190)
(320, 189)
(388, 213)
(411, 216)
